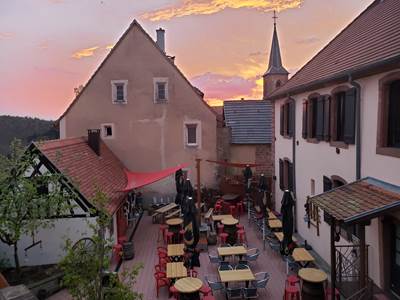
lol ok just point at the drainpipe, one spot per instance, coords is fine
(294, 163)
(358, 126)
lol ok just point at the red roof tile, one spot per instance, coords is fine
(88, 172)
(373, 37)
(360, 199)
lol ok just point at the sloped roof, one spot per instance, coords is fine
(250, 121)
(368, 41)
(88, 172)
(363, 199)
(135, 24)
(275, 60)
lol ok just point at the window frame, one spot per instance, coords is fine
(287, 123)
(114, 84)
(311, 120)
(333, 117)
(383, 116)
(104, 131)
(156, 81)
(198, 134)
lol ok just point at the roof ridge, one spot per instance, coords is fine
(373, 4)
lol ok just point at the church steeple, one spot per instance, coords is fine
(276, 74)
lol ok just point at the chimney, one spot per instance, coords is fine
(94, 140)
(161, 39)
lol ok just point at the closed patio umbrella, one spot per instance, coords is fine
(287, 220)
(192, 234)
(179, 181)
(247, 174)
(187, 189)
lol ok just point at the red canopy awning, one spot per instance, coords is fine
(232, 164)
(136, 179)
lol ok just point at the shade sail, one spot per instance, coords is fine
(137, 179)
(232, 164)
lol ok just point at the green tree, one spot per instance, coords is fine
(27, 202)
(87, 263)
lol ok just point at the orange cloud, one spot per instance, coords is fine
(85, 52)
(6, 35)
(208, 7)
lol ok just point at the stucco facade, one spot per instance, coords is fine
(315, 160)
(147, 136)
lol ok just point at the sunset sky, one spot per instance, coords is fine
(48, 47)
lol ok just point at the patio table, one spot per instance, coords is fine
(175, 251)
(174, 226)
(230, 197)
(176, 270)
(272, 216)
(279, 236)
(166, 208)
(236, 276)
(230, 229)
(228, 251)
(313, 283)
(218, 218)
(274, 224)
(188, 288)
(302, 256)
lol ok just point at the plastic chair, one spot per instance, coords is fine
(292, 280)
(205, 290)
(328, 294)
(234, 293)
(232, 210)
(161, 281)
(240, 207)
(220, 228)
(214, 259)
(253, 256)
(159, 268)
(181, 234)
(225, 267)
(192, 273)
(215, 285)
(209, 297)
(162, 249)
(241, 235)
(161, 232)
(218, 208)
(239, 226)
(292, 293)
(170, 236)
(174, 292)
(242, 266)
(250, 293)
(222, 237)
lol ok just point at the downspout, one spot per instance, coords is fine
(294, 162)
(357, 86)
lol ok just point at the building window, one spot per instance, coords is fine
(119, 91)
(393, 132)
(160, 90)
(107, 131)
(192, 134)
(278, 84)
(312, 187)
(287, 119)
(285, 175)
(388, 139)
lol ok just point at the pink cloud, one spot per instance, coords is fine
(217, 86)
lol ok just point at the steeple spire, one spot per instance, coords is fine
(275, 61)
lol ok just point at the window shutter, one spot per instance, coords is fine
(282, 125)
(310, 118)
(349, 116)
(291, 118)
(305, 125)
(327, 118)
(281, 184)
(319, 123)
(327, 184)
(290, 176)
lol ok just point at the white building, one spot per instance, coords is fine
(337, 120)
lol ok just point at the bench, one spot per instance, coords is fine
(173, 214)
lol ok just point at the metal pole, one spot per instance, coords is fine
(198, 160)
(333, 260)
(263, 233)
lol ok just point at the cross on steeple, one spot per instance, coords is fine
(274, 17)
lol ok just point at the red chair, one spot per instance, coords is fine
(292, 293)
(292, 280)
(239, 226)
(223, 237)
(181, 234)
(240, 207)
(161, 231)
(161, 281)
(174, 292)
(241, 236)
(205, 290)
(163, 262)
(220, 228)
(232, 210)
(170, 236)
(192, 273)
(209, 297)
(162, 250)
(218, 208)
(159, 268)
